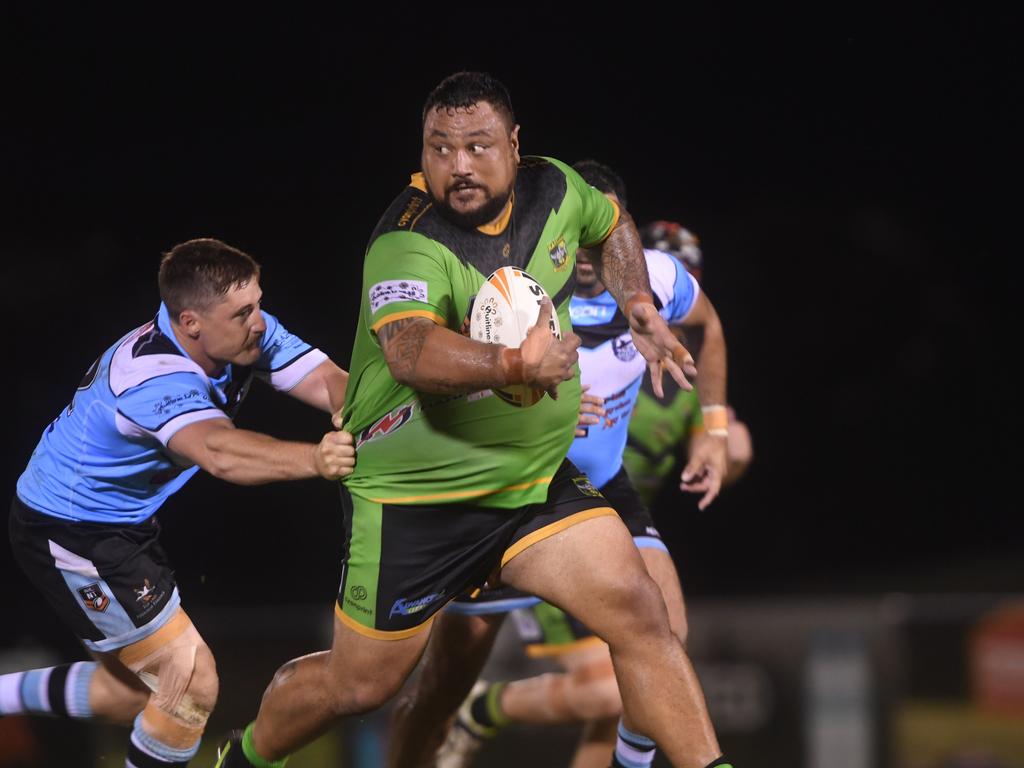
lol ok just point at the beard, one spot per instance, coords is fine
(486, 213)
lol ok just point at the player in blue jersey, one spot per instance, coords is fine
(151, 411)
(612, 369)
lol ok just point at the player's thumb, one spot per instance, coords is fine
(547, 309)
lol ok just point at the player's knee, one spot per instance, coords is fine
(364, 694)
(639, 611)
(204, 686)
(185, 685)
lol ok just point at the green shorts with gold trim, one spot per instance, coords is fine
(403, 563)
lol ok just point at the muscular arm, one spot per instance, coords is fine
(620, 262)
(251, 458)
(323, 388)
(429, 358)
(711, 359)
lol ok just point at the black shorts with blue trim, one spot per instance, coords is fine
(111, 584)
(623, 498)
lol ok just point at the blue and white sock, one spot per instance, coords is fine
(633, 750)
(59, 691)
(144, 751)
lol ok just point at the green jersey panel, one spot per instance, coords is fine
(420, 448)
(656, 431)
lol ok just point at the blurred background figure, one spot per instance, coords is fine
(661, 428)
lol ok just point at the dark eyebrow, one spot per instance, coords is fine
(441, 134)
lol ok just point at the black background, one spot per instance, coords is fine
(850, 176)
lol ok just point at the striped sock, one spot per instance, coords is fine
(59, 691)
(249, 750)
(144, 751)
(632, 750)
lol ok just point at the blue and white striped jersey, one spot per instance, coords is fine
(612, 365)
(104, 458)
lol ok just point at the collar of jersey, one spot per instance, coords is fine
(163, 322)
(419, 181)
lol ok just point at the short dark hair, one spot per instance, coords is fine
(196, 274)
(603, 178)
(464, 89)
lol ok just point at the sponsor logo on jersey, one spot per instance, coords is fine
(167, 403)
(406, 607)
(391, 291)
(624, 348)
(387, 424)
(147, 594)
(414, 207)
(591, 314)
(358, 592)
(94, 598)
(559, 254)
(584, 486)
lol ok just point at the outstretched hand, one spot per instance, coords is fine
(659, 346)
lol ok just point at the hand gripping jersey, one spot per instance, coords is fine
(419, 448)
(612, 365)
(103, 459)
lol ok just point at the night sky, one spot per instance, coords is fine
(848, 174)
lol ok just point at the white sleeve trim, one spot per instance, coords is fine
(288, 377)
(696, 296)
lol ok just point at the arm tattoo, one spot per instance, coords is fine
(449, 366)
(402, 343)
(621, 265)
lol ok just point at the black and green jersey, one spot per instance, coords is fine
(656, 432)
(415, 448)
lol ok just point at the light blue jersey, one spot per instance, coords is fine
(613, 367)
(104, 459)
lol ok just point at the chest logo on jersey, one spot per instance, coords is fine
(624, 348)
(584, 486)
(387, 424)
(94, 598)
(559, 254)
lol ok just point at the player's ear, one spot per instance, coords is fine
(513, 137)
(189, 321)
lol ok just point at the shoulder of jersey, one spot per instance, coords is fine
(662, 268)
(146, 354)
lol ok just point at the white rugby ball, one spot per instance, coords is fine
(505, 309)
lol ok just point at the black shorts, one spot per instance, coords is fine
(111, 584)
(631, 508)
(623, 498)
(403, 563)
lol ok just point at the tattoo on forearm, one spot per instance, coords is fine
(456, 366)
(621, 265)
(402, 342)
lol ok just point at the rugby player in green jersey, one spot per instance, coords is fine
(454, 487)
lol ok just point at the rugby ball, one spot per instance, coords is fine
(504, 310)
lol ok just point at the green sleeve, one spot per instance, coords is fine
(599, 214)
(405, 275)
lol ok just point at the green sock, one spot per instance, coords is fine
(253, 757)
(486, 708)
